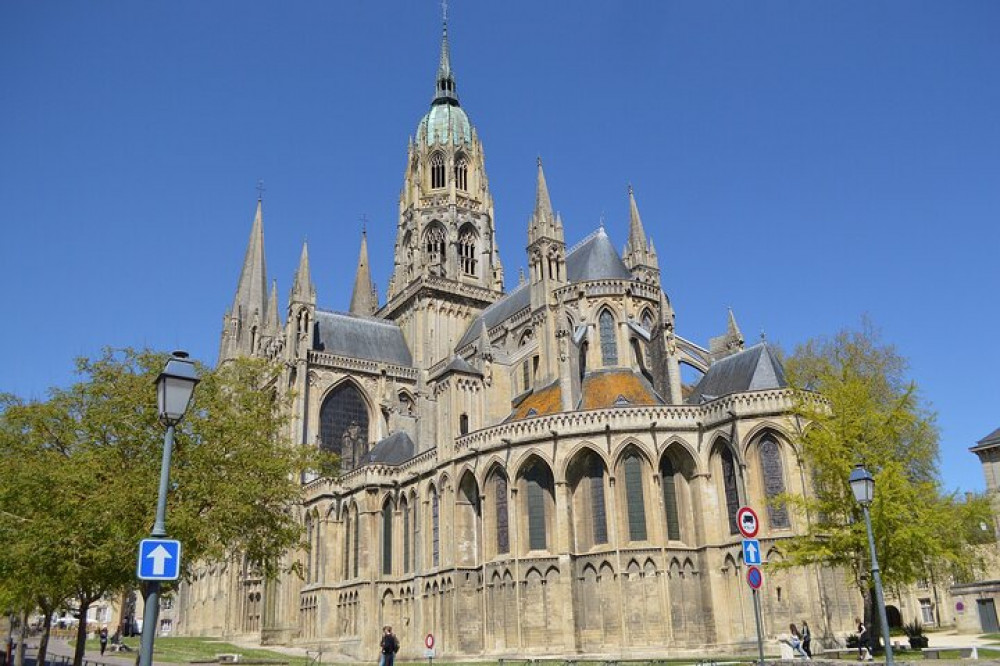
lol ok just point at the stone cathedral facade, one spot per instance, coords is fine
(522, 472)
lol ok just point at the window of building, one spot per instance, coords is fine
(774, 481)
(463, 424)
(598, 510)
(467, 250)
(670, 500)
(437, 170)
(503, 529)
(583, 360)
(609, 345)
(525, 376)
(348, 537)
(729, 481)
(634, 498)
(434, 244)
(309, 540)
(387, 538)
(435, 529)
(166, 626)
(647, 321)
(356, 542)
(538, 483)
(462, 173)
(926, 611)
(343, 425)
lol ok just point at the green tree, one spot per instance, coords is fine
(858, 406)
(79, 474)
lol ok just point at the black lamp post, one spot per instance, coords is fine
(174, 388)
(863, 487)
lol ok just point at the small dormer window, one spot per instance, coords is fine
(437, 171)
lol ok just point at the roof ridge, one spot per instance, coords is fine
(347, 315)
(586, 239)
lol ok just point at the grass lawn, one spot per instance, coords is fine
(182, 650)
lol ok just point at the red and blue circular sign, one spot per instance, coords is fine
(747, 522)
(429, 641)
(755, 577)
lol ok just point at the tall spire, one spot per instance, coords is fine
(639, 254)
(251, 291)
(444, 91)
(363, 301)
(636, 234)
(543, 221)
(303, 290)
(273, 321)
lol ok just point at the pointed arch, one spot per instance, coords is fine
(461, 172)
(772, 476)
(537, 487)
(344, 418)
(634, 465)
(435, 238)
(587, 477)
(497, 490)
(404, 510)
(387, 511)
(677, 468)
(468, 248)
(435, 525)
(468, 520)
(728, 467)
(608, 329)
(437, 170)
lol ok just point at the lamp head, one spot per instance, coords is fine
(862, 485)
(174, 388)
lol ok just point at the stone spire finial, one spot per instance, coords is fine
(362, 301)
(445, 91)
(251, 291)
(543, 205)
(636, 232)
(302, 287)
(273, 321)
(729, 343)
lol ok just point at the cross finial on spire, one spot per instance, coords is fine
(260, 189)
(763, 337)
(444, 13)
(364, 223)
(630, 189)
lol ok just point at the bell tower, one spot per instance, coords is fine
(446, 266)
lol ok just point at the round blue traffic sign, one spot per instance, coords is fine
(755, 577)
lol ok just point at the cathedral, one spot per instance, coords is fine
(521, 472)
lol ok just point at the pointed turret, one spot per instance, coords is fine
(544, 223)
(246, 318)
(273, 321)
(729, 343)
(303, 290)
(364, 300)
(445, 91)
(639, 254)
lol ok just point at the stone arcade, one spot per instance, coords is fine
(544, 486)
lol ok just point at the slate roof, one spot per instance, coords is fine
(360, 337)
(752, 369)
(594, 258)
(991, 440)
(457, 364)
(395, 449)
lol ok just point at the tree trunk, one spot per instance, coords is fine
(22, 636)
(43, 642)
(81, 631)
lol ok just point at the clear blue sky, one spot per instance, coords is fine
(803, 162)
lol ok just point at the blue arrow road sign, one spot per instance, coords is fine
(751, 551)
(159, 559)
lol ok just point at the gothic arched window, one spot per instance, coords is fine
(670, 500)
(434, 243)
(437, 170)
(467, 250)
(647, 321)
(609, 344)
(774, 481)
(634, 500)
(406, 536)
(435, 529)
(343, 425)
(347, 545)
(538, 485)
(462, 173)
(586, 477)
(309, 555)
(503, 529)
(387, 538)
(729, 481)
(357, 542)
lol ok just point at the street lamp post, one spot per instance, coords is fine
(863, 487)
(174, 388)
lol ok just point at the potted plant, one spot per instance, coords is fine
(915, 632)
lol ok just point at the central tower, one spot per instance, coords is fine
(447, 268)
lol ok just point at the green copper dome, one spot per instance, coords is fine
(445, 124)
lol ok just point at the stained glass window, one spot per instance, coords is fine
(343, 425)
(634, 498)
(538, 481)
(774, 481)
(597, 503)
(387, 538)
(609, 345)
(406, 537)
(732, 494)
(670, 500)
(503, 529)
(435, 529)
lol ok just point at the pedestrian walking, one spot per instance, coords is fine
(102, 635)
(795, 641)
(389, 647)
(807, 639)
(864, 642)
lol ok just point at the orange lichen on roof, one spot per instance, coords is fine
(547, 400)
(603, 389)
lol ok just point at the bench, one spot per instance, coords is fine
(841, 653)
(963, 652)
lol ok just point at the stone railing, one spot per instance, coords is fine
(328, 360)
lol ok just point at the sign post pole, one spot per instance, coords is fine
(760, 629)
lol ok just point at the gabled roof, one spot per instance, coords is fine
(991, 440)
(594, 258)
(395, 449)
(457, 364)
(752, 369)
(360, 337)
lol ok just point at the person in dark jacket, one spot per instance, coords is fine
(807, 639)
(389, 646)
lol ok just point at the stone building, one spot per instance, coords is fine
(522, 472)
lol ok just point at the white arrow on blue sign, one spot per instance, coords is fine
(751, 551)
(159, 559)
